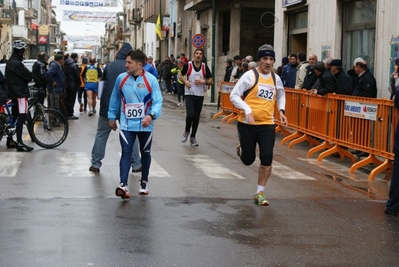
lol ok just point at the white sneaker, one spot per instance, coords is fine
(122, 191)
(178, 104)
(143, 187)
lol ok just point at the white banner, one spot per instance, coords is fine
(360, 110)
(93, 3)
(87, 16)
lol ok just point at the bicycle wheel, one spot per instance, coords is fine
(49, 130)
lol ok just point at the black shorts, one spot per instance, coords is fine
(250, 135)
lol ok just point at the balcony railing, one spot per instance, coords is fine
(1, 3)
(31, 13)
(5, 17)
(19, 31)
(21, 4)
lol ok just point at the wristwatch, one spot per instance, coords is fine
(282, 110)
(152, 115)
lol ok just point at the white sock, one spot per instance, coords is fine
(260, 188)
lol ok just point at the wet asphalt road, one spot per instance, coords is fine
(53, 212)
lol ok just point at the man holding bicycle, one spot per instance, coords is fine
(18, 78)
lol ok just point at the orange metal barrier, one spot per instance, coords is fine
(227, 108)
(330, 121)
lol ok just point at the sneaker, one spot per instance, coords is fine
(389, 212)
(81, 107)
(73, 118)
(94, 111)
(193, 141)
(143, 187)
(85, 110)
(136, 170)
(184, 137)
(122, 191)
(21, 147)
(238, 150)
(94, 169)
(91, 113)
(178, 104)
(259, 199)
(11, 143)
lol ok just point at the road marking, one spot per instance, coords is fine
(286, 172)
(155, 169)
(211, 168)
(9, 163)
(74, 163)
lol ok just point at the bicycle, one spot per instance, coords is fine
(47, 127)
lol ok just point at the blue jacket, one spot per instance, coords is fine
(55, 74)
(288, 75)
(111, 72)
(135, 92)
(149, 68)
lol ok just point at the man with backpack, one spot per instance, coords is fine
(256, 94)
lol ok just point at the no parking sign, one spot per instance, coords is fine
(198, 40)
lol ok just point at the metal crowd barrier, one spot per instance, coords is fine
(333, 124)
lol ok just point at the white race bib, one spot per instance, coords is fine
(134, 110)
(266, 92)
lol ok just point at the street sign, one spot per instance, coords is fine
(42, 39)
(198, 40)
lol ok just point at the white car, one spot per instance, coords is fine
(27, 62)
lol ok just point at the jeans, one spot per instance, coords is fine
(98, 151)
(127, 139)
(393, 202)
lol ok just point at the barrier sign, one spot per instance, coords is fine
(198, 40)
(227, 88)
(360, 110)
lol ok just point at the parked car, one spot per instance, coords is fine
(27, 62)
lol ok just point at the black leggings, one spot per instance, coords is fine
(193, 110)
(249, 136)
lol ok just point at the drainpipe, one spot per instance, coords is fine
(213, 49)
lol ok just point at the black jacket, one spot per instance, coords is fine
(18, 77)
(39, 70)
(345, 83)
(111, 72)
(72, 74)
(3, 89)
(227, 75)
(310, 78)
(365, 85)
(328, 83)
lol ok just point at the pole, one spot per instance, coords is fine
(213, 49)
(160, 43)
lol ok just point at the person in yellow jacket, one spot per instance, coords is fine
(179, 84)
(256, 94)
(81, 91)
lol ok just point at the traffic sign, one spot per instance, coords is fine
(198, 40)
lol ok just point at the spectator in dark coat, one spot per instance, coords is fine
(311, 77)
(55, 81)
(72, 82)
(327, 82)
(365, 85)
(392, 206)
(284, 62)
(343, 79)
(111, 72)
(39, 71)
(229, 69)
(288, 76)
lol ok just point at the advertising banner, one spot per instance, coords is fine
(360, 110)
(87, 16)
(94, 3)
